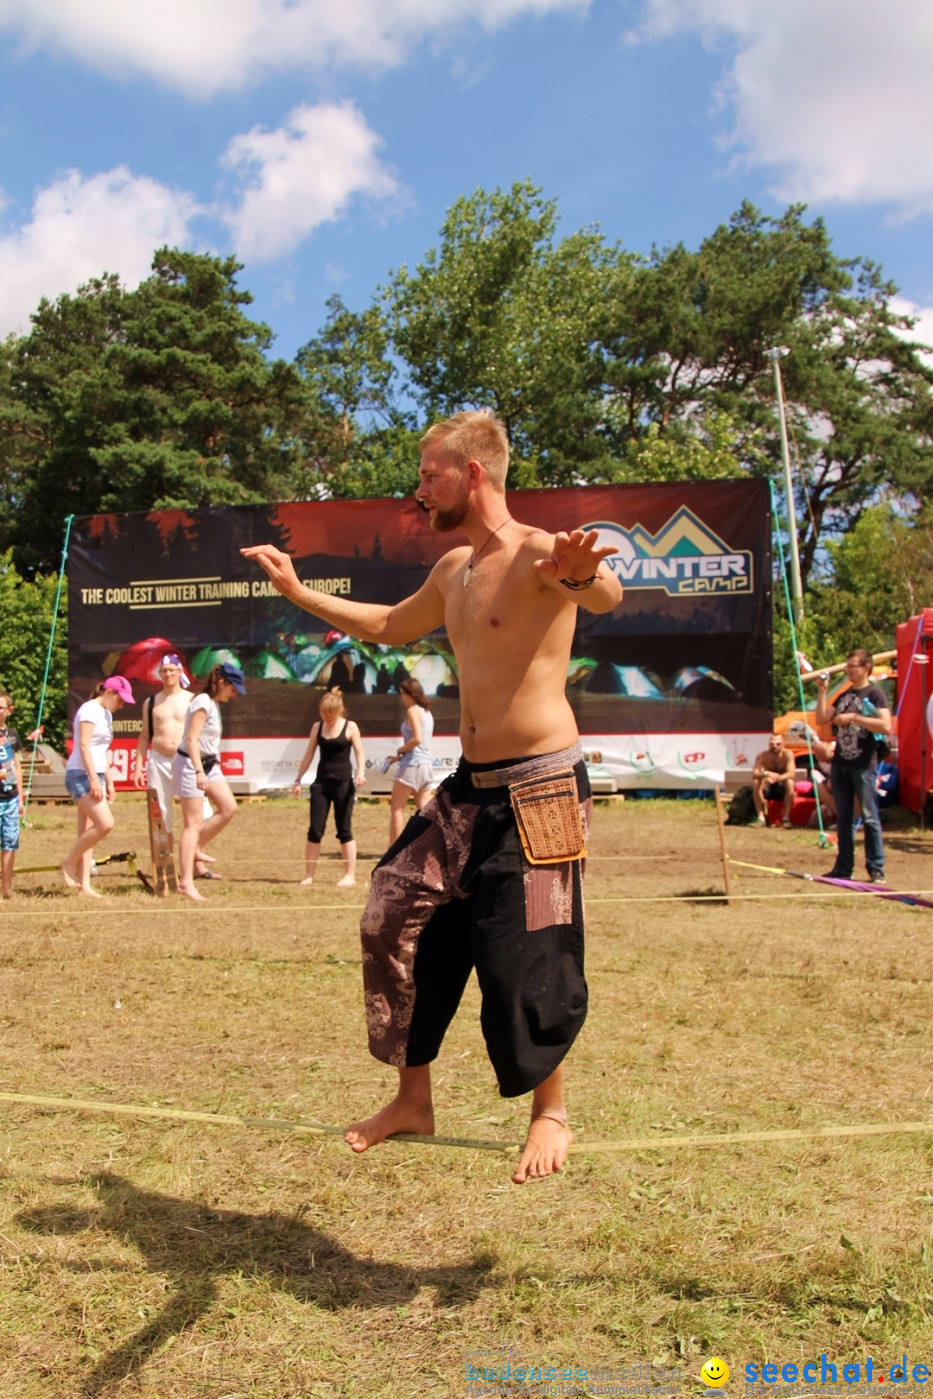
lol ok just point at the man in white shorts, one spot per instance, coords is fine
(163, 724)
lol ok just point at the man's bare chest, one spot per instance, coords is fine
(497, 602)
(168, 712)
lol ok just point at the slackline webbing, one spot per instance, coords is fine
(320, 1129)
(77, 906)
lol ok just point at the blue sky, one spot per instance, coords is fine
(322, 142)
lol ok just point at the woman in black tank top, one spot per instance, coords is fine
(334, 736)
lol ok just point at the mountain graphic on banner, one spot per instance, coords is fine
(685, 557)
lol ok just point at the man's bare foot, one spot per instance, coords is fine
(348, 882)
(89, 892)
(70, 876)
(545, 1149)
(307, 881)
(401, 1115)
(190, 892)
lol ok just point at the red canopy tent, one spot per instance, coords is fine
(915, 709)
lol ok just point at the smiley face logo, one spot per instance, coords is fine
(715, 1372)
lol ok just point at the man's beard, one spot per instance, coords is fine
(446, 521)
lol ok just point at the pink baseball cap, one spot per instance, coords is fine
(121, 686)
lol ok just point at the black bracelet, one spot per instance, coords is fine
(577, 585)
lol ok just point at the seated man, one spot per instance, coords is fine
(773, 779)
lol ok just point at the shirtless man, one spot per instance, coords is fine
(159, 736)
(773, 779)
(455, 890)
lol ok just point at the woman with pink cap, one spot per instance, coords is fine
(89, 779)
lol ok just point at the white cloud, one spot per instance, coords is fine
(301, 175)
(204, 46)
(80, 227)
(289, 181)
(834, 96)
(922, 332)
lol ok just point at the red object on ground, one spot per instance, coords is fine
(800, 813)
(915, 689)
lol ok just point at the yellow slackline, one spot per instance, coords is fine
(319, 1129)
(213, 906)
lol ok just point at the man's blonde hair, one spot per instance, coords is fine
(475, 434)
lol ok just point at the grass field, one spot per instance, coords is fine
(168, 1259)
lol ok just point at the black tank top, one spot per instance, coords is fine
(334, 764)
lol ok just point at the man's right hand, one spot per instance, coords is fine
(139, 776)
(278, 565)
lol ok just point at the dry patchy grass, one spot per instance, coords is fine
(183, 1260)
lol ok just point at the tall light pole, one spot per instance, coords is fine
(796, 587)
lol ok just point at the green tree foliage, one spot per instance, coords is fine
(600, 361)
(137, 400)
(354, 441)
(26, 612)
(502, 316)
(880, 573)
(713, 451)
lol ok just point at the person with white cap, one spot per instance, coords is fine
(89, 779)
(196, 767)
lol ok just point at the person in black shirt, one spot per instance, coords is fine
(335, 736)
(861, 718)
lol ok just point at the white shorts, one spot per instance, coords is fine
(417, 776)
(185, 779)
(160, 779)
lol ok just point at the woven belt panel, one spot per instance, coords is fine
(543, 766)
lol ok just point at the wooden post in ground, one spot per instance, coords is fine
(721, 822)
(160, 844)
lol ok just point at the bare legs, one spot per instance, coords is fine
(348, 851)
(397, 803)
(7, 859)
(549, 1136)
(197, 832)
(412, 1110)
(95, 821)
(313, 854)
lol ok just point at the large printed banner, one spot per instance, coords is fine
(669, 691)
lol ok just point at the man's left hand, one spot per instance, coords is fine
(576, 556)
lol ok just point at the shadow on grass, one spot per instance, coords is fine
(713, 897)
(906, 844)
(194, 1245)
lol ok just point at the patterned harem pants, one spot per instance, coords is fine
(455, 892)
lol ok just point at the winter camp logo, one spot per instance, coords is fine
(685, 558)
